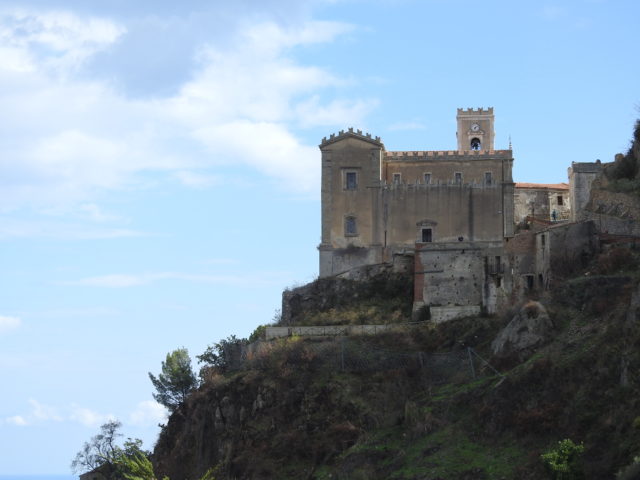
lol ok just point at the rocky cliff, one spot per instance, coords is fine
(297, 412)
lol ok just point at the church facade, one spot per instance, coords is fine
(452, 211)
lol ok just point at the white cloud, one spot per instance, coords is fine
(43, 412)
(148, 413)
(197, 180)
(39, 413)
(17, 420)
(88, 417)
(19, 228)
(9, 323)
(67, 38)
(135, 280)
(68, 137)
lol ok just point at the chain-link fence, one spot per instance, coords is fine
(357, 355)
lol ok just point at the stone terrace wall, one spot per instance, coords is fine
(613, 212)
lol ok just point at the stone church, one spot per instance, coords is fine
(452, 211)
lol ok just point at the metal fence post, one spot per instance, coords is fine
(473, 370)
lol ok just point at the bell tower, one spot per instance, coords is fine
(475, 129)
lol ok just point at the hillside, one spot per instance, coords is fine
(295, 413)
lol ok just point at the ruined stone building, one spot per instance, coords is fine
(452, 214)
(544, 201)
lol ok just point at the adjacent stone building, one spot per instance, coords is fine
(452, 209)
(544, 201)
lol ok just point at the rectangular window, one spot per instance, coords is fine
(350, 227)
(542, 240)
(560, 200)
(351, 181)
(529, 282)
(397, 178)
(427, 178)
(487, 178)
(457, 178)
(427, 235)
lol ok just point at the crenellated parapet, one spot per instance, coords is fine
(350, 133)
(447, 155)
(472, 111)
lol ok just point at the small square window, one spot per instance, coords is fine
(350, 226)
(560, 200)
(487, 178)
(457, 178)
(427, 178)
(397, 178)
(351, 181)
(427, 235)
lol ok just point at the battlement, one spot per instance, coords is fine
(350, 133)
(447, 155)
(471, 111)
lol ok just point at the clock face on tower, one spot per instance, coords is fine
(475, 127)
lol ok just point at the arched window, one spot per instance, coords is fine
(475, 144)
(350, 226)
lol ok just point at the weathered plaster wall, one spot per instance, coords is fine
(468, 275)
(453, 211)
(541, 202)
(581, 176)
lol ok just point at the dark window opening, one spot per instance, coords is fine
(396, 178)
(351, 181)
(540, 280)
(529, 282)
(542, 240)
(350, 227)
(560, 200)
(476, 144)
(487, 178)
(427, 178)
(427, 235)
(457, 178)
(498, 281)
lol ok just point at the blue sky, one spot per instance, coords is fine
(159, 171)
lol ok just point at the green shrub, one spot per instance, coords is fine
(630, 472)
(563, 462)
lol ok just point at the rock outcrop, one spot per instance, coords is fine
(530, 328)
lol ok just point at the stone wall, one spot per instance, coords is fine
(459, 279)
(613, 212)
(325, 331)
(581, 177)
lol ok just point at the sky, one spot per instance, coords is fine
(159, 166)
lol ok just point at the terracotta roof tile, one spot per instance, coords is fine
(548, 186)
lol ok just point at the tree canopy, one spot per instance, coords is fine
(103, 452)
(176, 380)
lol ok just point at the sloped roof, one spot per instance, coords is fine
(543, 186)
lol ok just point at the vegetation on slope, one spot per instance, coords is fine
(624, 173)
(295, 414)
